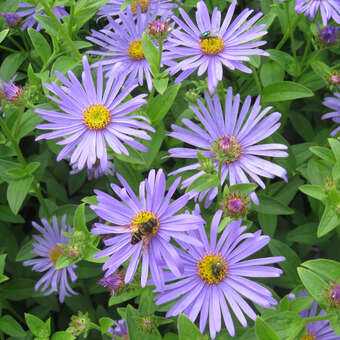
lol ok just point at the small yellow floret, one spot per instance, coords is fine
(135, 50)
(212, 46)
(206, 270)
(97, 117)
(55, 253)
(144, 5)
(309, 336)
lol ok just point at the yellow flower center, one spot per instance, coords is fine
(144, 5)
(309, 336)
(140, 219)
(55, 253)
(212, 268)
(135, 50)
(97, 117)
(212, 46)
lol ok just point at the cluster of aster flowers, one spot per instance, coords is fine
(95, 116)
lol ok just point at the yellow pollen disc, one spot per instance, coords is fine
(144, 5)
(135, 50)
(309, 336)
(212, 46)
(97, 117)
(54, 254)
(142, 217)
(206, 269)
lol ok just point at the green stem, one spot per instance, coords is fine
(16, 44)
(23, 163)
(257, 80)
(219, 197)
(291, 28)
(317, 318)
(49, 11)
(93, 325)
(8, 49)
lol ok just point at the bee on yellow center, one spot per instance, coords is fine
(212, 268)
(144, 226)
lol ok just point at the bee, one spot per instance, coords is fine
(144, 229)
(216, 268)
(207, 35)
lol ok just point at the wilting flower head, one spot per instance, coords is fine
(122, 49)
(213, 44)
(97, 169)
(154, 7)
(47, 248)
(93, 116)
(329, 35)
(11, 19)
(215, 274)
(120, 329)
(317, 330)
(329, 9)
(334, 104)
(113, 282)
(28, 12)
(10, 91)
(144, 225)
(231, 138)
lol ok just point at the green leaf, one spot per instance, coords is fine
(79, 219)
(10, 326)
(271, 206)
(335, 324)
(40, 44)
(10, 65)
(335, 146)
(302, 126)
(305, 234)
(160, 84)
(7, 215)
(46, 22)
(315, 285)
(328, 222)
(323, 153)
(188, 330)
(301, 303)
(285, 60)
(31, 167)
(17, 191)
(64, 64)
(125, 296)
(204, 182)
(16, 173)
(161, 104)
(244, 188)
(263, 330)
(63, 336)
(3, 34)
(90, 251)
(328, 269)
(3, 277)
(279, 248)
(90, 200)
(151, 53)
(271, 73)
(105, 323)
(314, 191)
(38, 327)
(25, 252)
(285, 90)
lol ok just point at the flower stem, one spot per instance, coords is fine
(219, 197)
(291, 28)
(317, 318)
(68, 39)
(257, 80)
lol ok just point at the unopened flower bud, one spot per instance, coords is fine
(147, 323)
(329, 35)
(235, 205)
(334, 78)
(11, 19)
(158, 29)
(80, 324)
(113, 282)
(334, 295)
(10, 91)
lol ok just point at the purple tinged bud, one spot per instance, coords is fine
(334, 78)
(329, 35)
(334, 295)
(235, 205)
(11, 19)
(159, 29)
(113, 282)
(9, 90)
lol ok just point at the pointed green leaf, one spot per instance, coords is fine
(263, 330)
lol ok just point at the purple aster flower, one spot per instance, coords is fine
(334, 104)
(122, 47)
(215, 275)
(11, 19)
(329, 9)
(93, 116)
(232, 139)
(29, 11)
(212, 45)
(155, 7)
(317, 330)
(120, 329)
(49, 251)
(144, 225)
(10, 91)
(329, 35)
